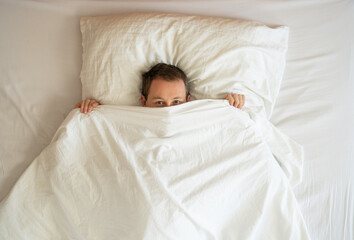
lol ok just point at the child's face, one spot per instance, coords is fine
(164, 93)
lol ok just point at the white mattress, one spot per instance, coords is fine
(40, 65)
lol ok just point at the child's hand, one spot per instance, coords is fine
(236, 100)
(87, 105)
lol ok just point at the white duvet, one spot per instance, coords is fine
(200, 170)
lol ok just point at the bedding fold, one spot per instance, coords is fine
(200, 170)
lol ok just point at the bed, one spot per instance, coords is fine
(41, 60)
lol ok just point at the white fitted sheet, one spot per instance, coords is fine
(40, 65)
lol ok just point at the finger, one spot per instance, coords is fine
(230, 99)
(239, 97)
(236, 99)
(82, 105)
(92, 105)
(242, 101)
(95, 104)
(78, 105)
(87, 103)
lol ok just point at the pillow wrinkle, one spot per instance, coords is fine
(218, 55)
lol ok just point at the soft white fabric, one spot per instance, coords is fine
(155, 173)
(41, 58)
(286, 151)
(219, 55)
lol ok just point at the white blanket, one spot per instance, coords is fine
(200, 170)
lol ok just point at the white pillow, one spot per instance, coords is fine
(218, 55)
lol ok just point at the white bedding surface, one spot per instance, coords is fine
(157, 173)
(117, 49)
(40, 64)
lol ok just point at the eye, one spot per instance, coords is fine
(159, 102)
(177, 102)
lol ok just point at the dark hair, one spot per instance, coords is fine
(165, 71)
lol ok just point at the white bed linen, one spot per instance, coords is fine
(158, 173)
(117, 49)
(40, 65)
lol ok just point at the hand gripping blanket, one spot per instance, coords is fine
(200, 170)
